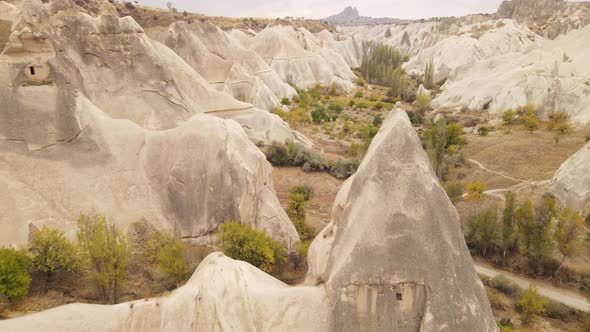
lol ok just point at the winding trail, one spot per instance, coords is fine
(480, 165)
(563, 296)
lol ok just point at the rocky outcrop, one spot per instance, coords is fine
(226, 65)
(529, 10)
(572, 181)
(301, 59)
(392, 259)
(382, 265)
(98, 118)
(351, 16)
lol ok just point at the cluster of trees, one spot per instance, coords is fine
(443, 143)
(522, 229)
(298, 198)
(559, 121)
(102, 254)
(382, 65)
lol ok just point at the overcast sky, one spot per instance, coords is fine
(410, 9)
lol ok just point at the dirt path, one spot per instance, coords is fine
(564, 296)
(480, 165)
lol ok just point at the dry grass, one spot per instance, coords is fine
(5, 27)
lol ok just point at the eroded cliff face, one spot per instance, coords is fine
(392, 259)
(98, 118)
(571, 183)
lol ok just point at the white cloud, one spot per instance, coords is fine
(322, 8)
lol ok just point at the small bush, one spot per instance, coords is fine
(495, 301)
(377, 120)
(505, 286)
(531, 122)
(378, 106)
(358, 95)
(361, 105)
(336, 108)
(415, 118)
(483, 131)
(475, 190)
(558, 311)
(285, 101)
(422, 103)
(320, 116)
(172, 262)
(14, 274)
(506, 325)
(302, 190)
(351, 103)
(531, 305)
(277, 155)
(343, 169)
(242, 242)
(508, 117)
(454, 190)
(360, 82)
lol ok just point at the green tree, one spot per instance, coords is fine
(242, 242)
(429, 74)
(172, 262)
(531, 305)
(508, 240)
(105, 252)
(483, 231)
(296, 212)
(14, 274)
(567, 237)
(52, 252)
(533, 234)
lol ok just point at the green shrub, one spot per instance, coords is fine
(378, 106)
(302, 190)
(277, 155)
(14, 274)
(319, 115)
(373, 98)
(52, 252)
(483, 131)
(336, 108)
(454, 190)
(508, 117)
(172, 262)
(343, 169)
(531, 122)
(531, 305)
(285, 101)
(358, 95)
(106, 254)
(353, 150)
(351, 103)
(422, 103)
(242, 242)
(415, 118)
(377, 120)
(360, 82)
(361, 105)
(505, 286)
(296, 212)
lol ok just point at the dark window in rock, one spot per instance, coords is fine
(398, 296)
(32, 70)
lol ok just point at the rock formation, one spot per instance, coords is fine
(393, 259)
(226, 65)
(351, 16)
(98, 118)
(300, 58)
(572, 181)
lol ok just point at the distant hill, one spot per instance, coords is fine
(350, 16)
